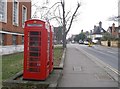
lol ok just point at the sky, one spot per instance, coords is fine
(90, 13)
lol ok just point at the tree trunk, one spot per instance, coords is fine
(64, 25)
(65, 31)
(64, 39)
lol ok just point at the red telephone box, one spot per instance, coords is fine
(51, 48)
(36, 50)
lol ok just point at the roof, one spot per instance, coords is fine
(109, 29)
(98, 30)
(116, 29)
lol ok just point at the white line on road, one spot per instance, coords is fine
(102, 52)
(112, 52)
(99, 62)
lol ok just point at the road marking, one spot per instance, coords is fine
(102, 52)
(98, 61)
(112, 52)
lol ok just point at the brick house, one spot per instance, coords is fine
(13, 14)
(114, 31)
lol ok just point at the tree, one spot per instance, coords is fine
(107, 36)
(63, 17)
(77, 38)
(117, 17)
(82, 36)
(114, 18)
(66, 30)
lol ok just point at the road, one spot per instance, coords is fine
(106, 54)
(83, 70)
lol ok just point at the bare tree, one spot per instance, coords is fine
(64, 18)
(114, 18)
(66, 30)
(117, 17)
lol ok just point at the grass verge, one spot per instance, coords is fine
(58, 51)
(12, 64)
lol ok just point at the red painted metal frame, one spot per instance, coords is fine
(51, 49)
(36, 67)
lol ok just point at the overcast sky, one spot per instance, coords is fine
(91, 12)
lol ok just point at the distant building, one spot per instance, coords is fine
(12, 18)
(87, 33)
(114, 31)
(73, 38)
(97, 32)
(58, 35)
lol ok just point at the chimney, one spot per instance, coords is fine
(113, 27)
(100, 24)
(94, 28)
(90, 31)
(82, 31)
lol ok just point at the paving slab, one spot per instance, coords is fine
(80, 71)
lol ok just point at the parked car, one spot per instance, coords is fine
(95, 41)
(72, 41)
(86, 42)
(81, 42)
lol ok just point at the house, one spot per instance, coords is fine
(97, 33)
(13, 14)
(114, 31)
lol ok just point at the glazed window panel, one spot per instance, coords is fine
(3, 10)
(14, 39)
(15, 12)
(24, 15)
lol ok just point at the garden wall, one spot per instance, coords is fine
(112, 43)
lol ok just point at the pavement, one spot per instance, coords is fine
(81, 71)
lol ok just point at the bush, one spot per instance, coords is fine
(109, 37)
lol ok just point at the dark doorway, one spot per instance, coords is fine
(109, 44)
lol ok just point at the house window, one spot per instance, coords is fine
(22, 39)
(15, 12)
(3, 10)
(101, 30)
(24, 15)
(14, 39)
(2, 37)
